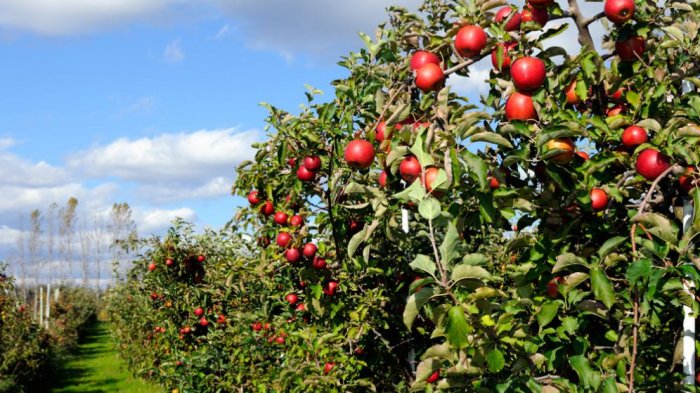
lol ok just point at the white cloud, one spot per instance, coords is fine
(6, 143)
(17, 171)
(197, 156)
(173, 52)
(216, 187)
(156, 219)
(221, 33)
(472, 86)
(8, 236)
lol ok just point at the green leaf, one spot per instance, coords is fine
(611, 245)
(638, 271)
(464, 272)
(457, 328)
(492, 137)
(413, 305)
(448, 248)
(495, 360)
(423, 263)
(633, 98)
(425, 368)
(474, 259)
(588, 377)
(437, 351)
(417, 149)
(547, 313)
(658, 226)
(477, 166)
(610, 386)
(361, 237)
(602, 289)
(566, 260)
(429, 208)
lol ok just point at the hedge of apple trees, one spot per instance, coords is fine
(403, 237)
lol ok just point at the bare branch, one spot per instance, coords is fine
(584, 35)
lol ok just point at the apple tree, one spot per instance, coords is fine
(534, 239)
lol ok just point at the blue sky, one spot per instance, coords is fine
(155, 102)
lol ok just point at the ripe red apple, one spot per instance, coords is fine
(421, 58)
(430, 77)
(359, 351)
(309, 250)
(330, 288)
(304, 174)
(169, 262)
(553, 287)
(519, 106)
(221, 319)
(470, 40)
(634, 136)
(599, 199)
(354, 226)
(359, 154)
(382, 179)
(328, 367)
(203, 322)
(494, 183)
(686, 180)
(631, 48)
(296, 220)
(301, 307)
(615, 110)
(619, 11)
(565, 144)
(379, 134)
(186, 330)
(528, 73)
(279, 340)
(583, 155)
(433, 377)
(199, 311)
(152, 267)
(312, 163)
(507, 47)
(538, 15)
(540, 3)
(651, 163)
(410, 169)
(571, 97)
(292, 299)
(154, 296)
(319, 263)
(293, 255)
(504, 13)
(283, 239)
(201, 258)
(430, 176)
(281, 218)
(618, 96)
(267, 208)
(253, 198)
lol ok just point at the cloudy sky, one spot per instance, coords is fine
(154, 102)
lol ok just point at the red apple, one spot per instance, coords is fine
(328, 367)
(201, 258)
(631, 48)
(430, 77)
(410, 169)
(253, 198)
(281, 218)
(651, 163)
(619, 11)
(504, 13)
(169, 262)
(470, 40)
(571, 97)
(203, 322)
(382, 179)
(359, 154)
(296, 220)
(540, 3)
(304, 174)
(421, 58)
(199, 311)
(379, 134)
(301, 307)
(618, 96)
(279, 340)
(312, 163)
(221, 319)
(309, 250)
(283, 239)
(319, 263)
(433, 377)
(293, 255)
(615, 110)
(267, 208)
(507, 47)
(583, 155)
(152, 267)
(330, 288)
(154, 296)
(528, 73)
(430, 176)
(292, 299)
(565, 144)
(599, 199)
(553, 287)
(354, 226)
(687, 180)
(359, 351)
(538, 15)
(634, 136)
(519, 106)
(494, 183)
(292, 162)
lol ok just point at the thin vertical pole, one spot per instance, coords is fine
(41, 305)
(688, 317)
(48, 304)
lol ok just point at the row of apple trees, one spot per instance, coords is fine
(401, 236)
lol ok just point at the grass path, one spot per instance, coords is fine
(96, 368)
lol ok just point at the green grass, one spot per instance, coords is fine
(96, 368)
